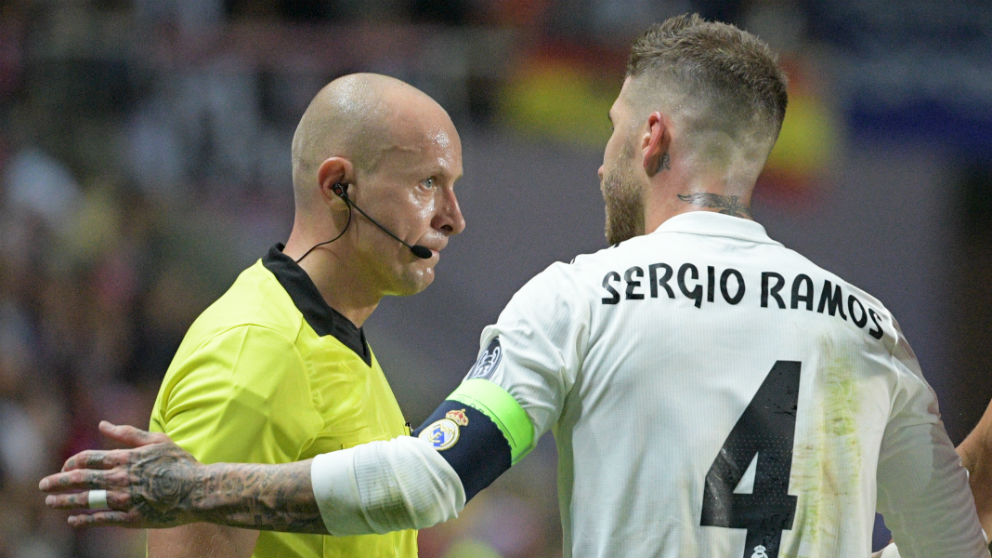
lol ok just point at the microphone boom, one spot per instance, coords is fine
(422, 252)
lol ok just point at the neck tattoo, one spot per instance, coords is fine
(728, 205)
(665, 162)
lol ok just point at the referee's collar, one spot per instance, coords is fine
(322, 318)
(716, 224)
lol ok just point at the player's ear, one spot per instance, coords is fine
(334, 170)
(655, 143)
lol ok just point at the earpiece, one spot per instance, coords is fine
(341, 189)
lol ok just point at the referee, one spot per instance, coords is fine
(711, 392)
(278, 369)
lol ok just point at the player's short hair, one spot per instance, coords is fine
(728, 73)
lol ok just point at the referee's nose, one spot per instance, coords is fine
(449, 218)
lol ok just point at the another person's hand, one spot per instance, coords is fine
(149, 485)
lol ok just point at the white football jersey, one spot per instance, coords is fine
(713, 393)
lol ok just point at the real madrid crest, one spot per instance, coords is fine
(444, 433)
(459, 416)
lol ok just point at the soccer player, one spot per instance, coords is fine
(711, 392)
(278, 369)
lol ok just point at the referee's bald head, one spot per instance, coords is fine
(358, 117)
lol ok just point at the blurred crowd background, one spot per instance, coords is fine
(144, 161)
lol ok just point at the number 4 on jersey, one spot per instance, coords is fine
(766, 428)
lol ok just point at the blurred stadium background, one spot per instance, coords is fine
(144, 161)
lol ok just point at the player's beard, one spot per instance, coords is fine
(623, 199)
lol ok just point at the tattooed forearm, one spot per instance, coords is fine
(168, 486)
(155, 483)
(728, 205)
(268, 497)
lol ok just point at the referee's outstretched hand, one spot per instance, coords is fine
(148, 485)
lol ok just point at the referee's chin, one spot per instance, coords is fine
(414, 278)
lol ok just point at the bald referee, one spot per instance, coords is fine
(279, 369)
(711, 392)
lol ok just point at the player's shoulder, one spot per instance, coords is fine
(858, 306)
(562, 275)
(804, 262)
(597, 260)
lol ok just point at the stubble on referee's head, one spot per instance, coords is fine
(396, 154)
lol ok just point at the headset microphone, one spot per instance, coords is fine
(418, 250)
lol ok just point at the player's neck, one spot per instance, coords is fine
(683, 194)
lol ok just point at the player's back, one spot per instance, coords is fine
(735, 399)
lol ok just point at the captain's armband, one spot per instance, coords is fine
(481, 431)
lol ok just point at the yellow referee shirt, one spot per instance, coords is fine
(269, 373)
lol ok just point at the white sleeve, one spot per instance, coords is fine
(385, 486)
(542, 336)
(923, 490)
(889, 551)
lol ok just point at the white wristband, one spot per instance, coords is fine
(336, 491)
(384, 486)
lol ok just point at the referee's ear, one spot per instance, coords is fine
(334, 170)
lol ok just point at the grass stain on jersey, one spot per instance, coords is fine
(828, 457)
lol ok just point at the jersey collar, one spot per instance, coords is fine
(716, 224)
(322, 318)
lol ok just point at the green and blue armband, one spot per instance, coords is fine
(481, 431)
